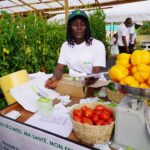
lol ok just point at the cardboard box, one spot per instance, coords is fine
(76, 88)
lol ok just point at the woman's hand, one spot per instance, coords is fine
(89, 81)
(51, 83)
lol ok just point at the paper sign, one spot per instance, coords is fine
(16, 136)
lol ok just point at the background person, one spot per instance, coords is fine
(80, 52)
(114, 47)
(133, 34)
(124, 35)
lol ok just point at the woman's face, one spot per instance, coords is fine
(78, 28)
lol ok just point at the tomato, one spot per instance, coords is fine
(87, 121)
(99, 107)
(88, 113)
(78, 119)
(100, 122)
(110, 111)
(105, 123)
(95, 118)
(97, 112)
(83, 108)
(110, 120)
(104, 115)
(78, 112)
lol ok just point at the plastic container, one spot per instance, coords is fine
(12, 80)
(44, 106)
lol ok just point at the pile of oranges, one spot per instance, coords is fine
(132, 69)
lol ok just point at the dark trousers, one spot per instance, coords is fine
(131, 48)
(122, 49)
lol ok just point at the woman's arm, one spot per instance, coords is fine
(125, 43)
(51, 83)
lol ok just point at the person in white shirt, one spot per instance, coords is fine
(80, 52)
(133, 34)
(124, 36)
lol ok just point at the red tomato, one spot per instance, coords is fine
(104, 115)
(110, 120)
(87, 121)
(110, 111)
(83, 108)
(105, 123)
(88, 113)
(95, 118)
(100, 122)
(78, 112)
(99, 107)
(97, 112)
(78, 119)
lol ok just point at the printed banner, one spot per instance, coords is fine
(16, 136)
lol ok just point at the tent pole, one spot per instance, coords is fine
(66, 11)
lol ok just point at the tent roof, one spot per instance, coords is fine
(138, 11)
(51, 7)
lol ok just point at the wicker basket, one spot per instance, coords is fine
(92, 134)
(114, 96)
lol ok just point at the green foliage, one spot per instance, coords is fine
(3, 102)
(29, 43)
(97, 23)
(145, 29)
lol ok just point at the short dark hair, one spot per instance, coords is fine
(88, 38)
(128, 22)
(128, 19)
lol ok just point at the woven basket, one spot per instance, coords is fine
(92, 134)
(114, 96)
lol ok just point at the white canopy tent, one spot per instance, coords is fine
(138, 11)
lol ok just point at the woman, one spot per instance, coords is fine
(80, 52)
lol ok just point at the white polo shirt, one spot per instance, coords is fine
(123, 31)
(83, 58)
(133, 33)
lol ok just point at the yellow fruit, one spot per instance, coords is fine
(130, 81)
(122, 82)
(118, 72)
(124, 56)
(143, 67)
(141, 76)
(140, 57)
(138, 77)
(134, 83)
(148, 81)
(144, 75)
(123, 62)
(144, 85)
(141, 72)
(134, 69)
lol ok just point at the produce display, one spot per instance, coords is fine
(100, 115)
(132, 69)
